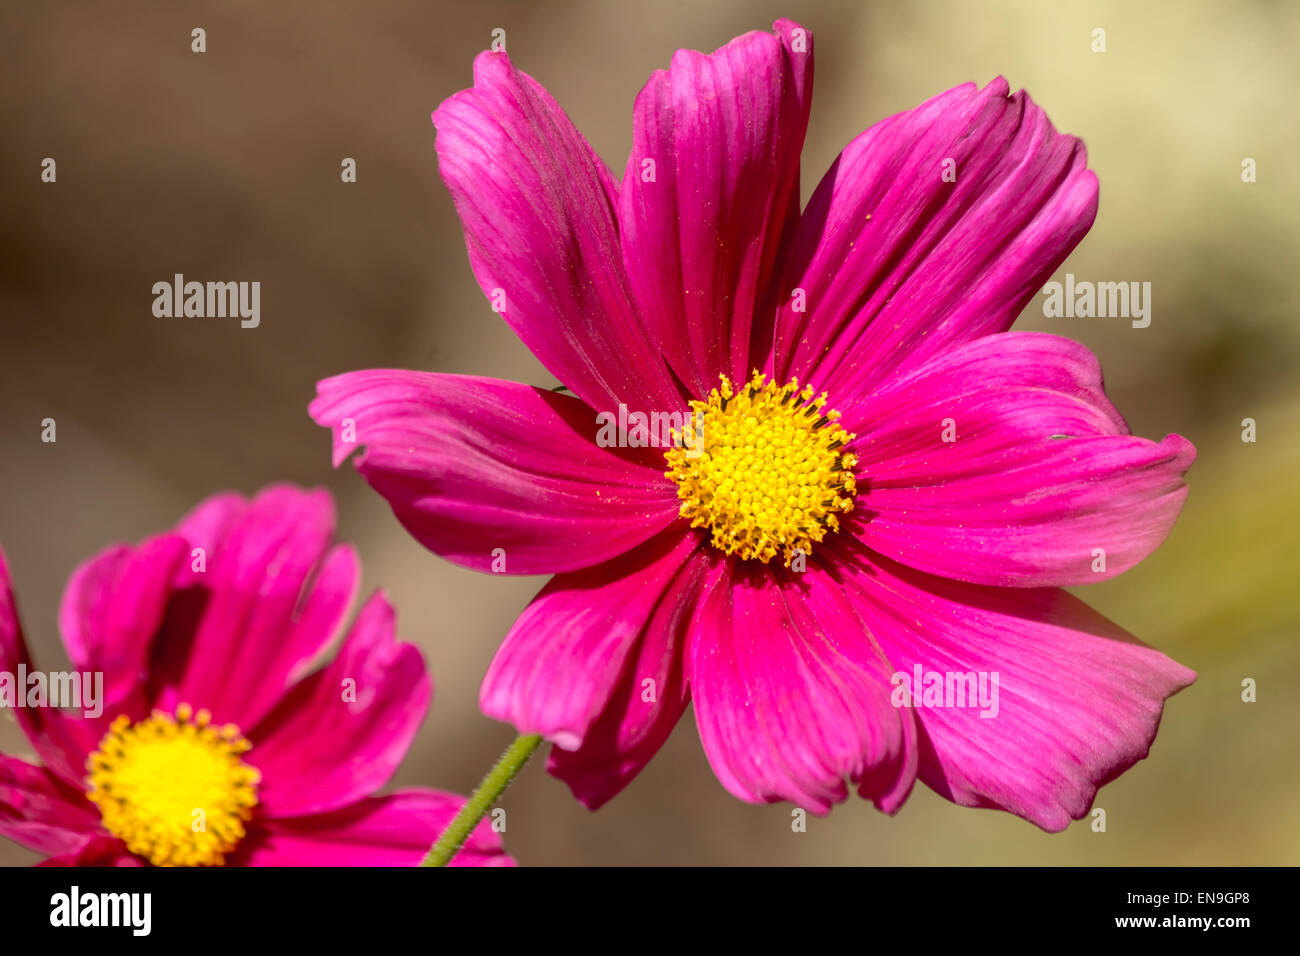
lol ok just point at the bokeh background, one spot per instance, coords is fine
(226, 165)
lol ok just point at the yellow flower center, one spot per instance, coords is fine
(174, 790)
(763, 468)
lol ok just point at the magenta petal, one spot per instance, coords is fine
(536, 204)
(637, 720)
(898, 264)
(395, 830)
(1002, 462)
(97, 851)
(649, 696)
(41, 812)
(724, 132)
(206, 526)
(339, 734)
(792, 695)
(1079, 699)
(572, 646)
(644, 704)
(496, 475)
(111, 610)
(269, 600)
(60, 741)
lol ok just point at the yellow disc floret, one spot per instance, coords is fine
(174, 790)
(763, 468)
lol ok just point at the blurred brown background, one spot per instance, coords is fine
(225, 166)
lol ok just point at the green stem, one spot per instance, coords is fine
(481, 800)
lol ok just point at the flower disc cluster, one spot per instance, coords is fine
(764, 469)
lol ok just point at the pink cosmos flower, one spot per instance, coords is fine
(217, 709)
(809, 547)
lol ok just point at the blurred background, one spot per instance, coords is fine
(226, 165)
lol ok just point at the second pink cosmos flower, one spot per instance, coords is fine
(228, 730)
(919, 509)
